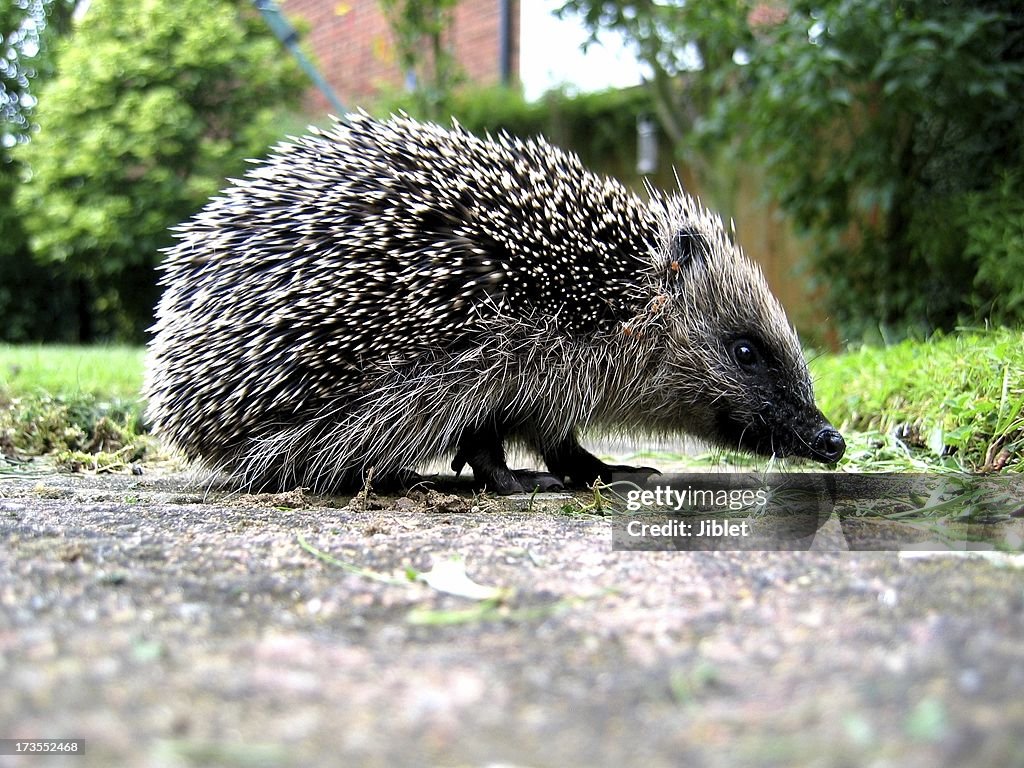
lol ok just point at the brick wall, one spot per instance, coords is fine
(352, 45)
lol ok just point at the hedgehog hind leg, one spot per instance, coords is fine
(568, 458)
(483, 449)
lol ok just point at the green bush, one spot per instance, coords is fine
(994, 223)
(35, 301)
(877, 122)
(152, 106)
(876, 132)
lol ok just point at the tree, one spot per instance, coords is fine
(688, 47)
(882, 125)
(154, 103)
(420, 29)
(28, 29)
(30, 295)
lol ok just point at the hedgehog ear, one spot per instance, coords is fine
(686, 250)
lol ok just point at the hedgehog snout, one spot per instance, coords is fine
(812, 438)
(785, 429)
(828, 445)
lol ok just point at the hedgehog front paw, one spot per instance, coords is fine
(584, 469)
(570, 459)
(505, 482)
(537, 481)
(483, 450)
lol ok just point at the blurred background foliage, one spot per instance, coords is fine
(31, 296)
(149, 106)
(889, 132)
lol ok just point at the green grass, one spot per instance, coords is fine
(955, 401)
(111, 373)
(81, 405)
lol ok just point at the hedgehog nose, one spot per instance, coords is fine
(829, 445)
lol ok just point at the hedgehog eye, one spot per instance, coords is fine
(746, 354)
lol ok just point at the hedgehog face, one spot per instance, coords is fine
(772, 410)
(757, 397)
(737, 371)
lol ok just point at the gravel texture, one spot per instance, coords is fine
(169, 626)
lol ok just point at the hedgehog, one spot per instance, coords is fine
(384, 293)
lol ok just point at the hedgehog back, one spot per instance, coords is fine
(354, 252)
